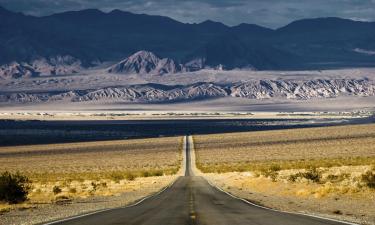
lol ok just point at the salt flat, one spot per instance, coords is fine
(226, 104)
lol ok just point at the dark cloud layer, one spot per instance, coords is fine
(270, 13)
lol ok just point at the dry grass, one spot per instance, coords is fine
(94, 160)
(61, 172)
(338, 191)
(296, 148)
(328, 170)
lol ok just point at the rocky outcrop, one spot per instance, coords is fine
(195, 64)
(156, 93)
(320, 88)
(16, 70)
(58, 65)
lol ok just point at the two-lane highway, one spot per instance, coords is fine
(192, 200)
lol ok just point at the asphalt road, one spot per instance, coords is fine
(191, 200)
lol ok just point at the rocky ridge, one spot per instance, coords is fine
(157, 93)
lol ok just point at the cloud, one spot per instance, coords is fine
(270, 13)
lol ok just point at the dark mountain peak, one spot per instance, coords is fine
(11, 18)
(213, 24)
(250, 25)
(80, 13)
(4, 11)
(325, 23)
(209, 22)
(321, 20)
(116, 11)
(137, 20)
(119, 12)
(92, 11)
(251, 28)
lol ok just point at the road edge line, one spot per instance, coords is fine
(259, 206)
(131, 205)
(105, 210)
(276, 210)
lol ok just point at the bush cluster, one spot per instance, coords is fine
(369, 179)
(118, 176)
(271, 172)
(56, 190)
(14, 188)
(312, 174)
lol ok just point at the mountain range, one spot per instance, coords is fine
(90, 36)
(159, 93)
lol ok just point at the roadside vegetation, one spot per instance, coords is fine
(330, 170)
(295, 148)
(60, 173)
(14, 188)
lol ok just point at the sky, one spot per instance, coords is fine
(268, 13)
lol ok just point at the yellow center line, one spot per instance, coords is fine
(193, 215)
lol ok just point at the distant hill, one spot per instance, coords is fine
(92, 35)
(144, 62)
(59, 65)
(328, 41)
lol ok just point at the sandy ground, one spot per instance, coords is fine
(38, 213)
(299, 197)
(124, 115)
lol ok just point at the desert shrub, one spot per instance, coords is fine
(94, 186)
(129, 176)
(312, 174)
(56, 190)
(145, 174)
(4, 210)
(14, 188)
(103, 185)
(275, 167)
(117, 177)
(63, 200)
(271, 172)
(369, 179)
(293, 177)
(333, 178)
(73, 190)
(338, 178)
(157, 173)
(172, 171)
(151, 173)
(338, 212)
